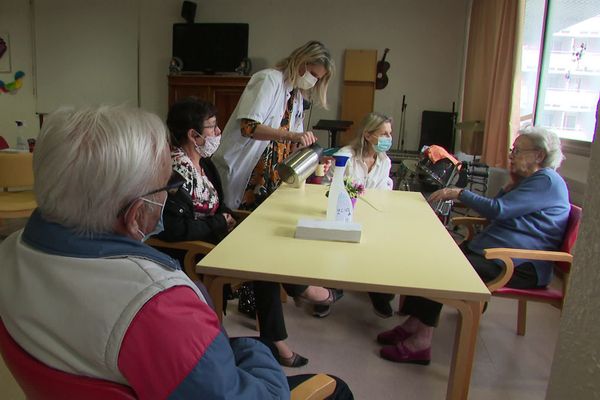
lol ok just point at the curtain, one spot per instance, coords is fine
(491, 76)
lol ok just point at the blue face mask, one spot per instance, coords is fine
(384, 143)
(159, 225)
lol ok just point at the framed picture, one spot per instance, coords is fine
(4, 52)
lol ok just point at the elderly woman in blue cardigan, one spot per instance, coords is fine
(531, 212)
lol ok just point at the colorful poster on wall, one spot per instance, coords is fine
(4, 52)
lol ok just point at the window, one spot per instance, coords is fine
(560, 66)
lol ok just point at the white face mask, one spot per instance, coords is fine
(211, 144)
(306, 81)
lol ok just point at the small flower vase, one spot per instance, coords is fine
(353, 200)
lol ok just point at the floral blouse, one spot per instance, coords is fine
(264, 178)
(204, 195)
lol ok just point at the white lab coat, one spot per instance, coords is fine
(264, 100)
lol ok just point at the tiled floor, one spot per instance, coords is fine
(506, 367)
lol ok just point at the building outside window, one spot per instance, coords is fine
(560, 66)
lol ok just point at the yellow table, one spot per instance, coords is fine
(403, 249)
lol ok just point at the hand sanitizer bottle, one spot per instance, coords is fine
(21, 144)
(339, 205)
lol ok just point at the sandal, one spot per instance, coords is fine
(295, 361)
(334, 295)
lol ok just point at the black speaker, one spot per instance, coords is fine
(188, 11)
(437, 128)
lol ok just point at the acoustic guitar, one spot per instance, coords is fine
(381, 80)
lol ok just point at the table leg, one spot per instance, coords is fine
(465, 342)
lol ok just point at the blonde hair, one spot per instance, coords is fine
(89, 163)
(312, 52)
(370, 123)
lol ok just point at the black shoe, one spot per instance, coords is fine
(295, 361)
(383, 309)
(321, 311)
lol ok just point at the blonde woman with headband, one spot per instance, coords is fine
(267, 124)
(369, 166)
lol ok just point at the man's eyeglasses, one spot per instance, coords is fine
(172, 186)
(515, 151)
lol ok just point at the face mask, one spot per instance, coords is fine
(306, 81)
(159, 225)
(211, 144)
(384, 143)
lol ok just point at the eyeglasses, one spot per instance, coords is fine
(172, 186)
(210, 127)
(515, 151)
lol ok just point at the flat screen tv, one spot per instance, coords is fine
(210, 48)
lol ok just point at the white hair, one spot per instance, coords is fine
(547, 141)
(89, 163)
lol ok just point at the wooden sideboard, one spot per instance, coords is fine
(223, 91)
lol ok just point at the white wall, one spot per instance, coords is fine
(85, 52)
(426, 41)
(15, 19)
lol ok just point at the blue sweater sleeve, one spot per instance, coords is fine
(524, 199)
(249, 372)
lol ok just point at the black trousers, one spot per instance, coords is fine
(269, 309)
(428, 311)
(380, 298)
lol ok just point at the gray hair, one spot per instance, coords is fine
(547, 141)
(89, 163)
(312, 52)
(370, 123)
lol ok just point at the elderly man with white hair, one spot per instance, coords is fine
(82, 293)
(531, 212)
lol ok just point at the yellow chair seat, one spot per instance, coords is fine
(17, 204)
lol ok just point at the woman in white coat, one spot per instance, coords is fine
(267, 124)
(265, 127)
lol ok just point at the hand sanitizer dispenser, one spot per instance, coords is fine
(338, 226)
(339, 206)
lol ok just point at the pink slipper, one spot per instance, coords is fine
(393, 336)
(400, 354)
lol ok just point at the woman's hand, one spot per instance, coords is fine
(445, 194)
(231, 223)
(304, 139)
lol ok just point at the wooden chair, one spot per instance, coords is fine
(198, 247)
(41, 382)
(562, 260)
(16, 174)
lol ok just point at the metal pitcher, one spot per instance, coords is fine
(298, 166)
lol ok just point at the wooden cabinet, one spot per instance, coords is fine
(358, 93)
(224, 91)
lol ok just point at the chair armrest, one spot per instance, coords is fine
(192, 248)
(470, 223)
(318, 387)
(506, 255)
